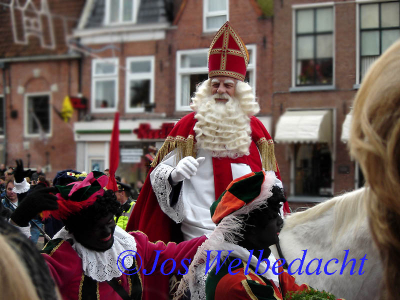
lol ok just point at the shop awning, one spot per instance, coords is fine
(304, 126)
(346, 129)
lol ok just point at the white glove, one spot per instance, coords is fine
(186, 168)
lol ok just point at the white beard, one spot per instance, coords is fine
(222, 128)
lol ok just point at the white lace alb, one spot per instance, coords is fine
(102, 266)
(162, 189)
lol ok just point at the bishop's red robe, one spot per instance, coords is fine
(147, 215)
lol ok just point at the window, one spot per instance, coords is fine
(121, 11)
(314, 46)
(37, 114)
(134, 171)
(192, 69)
(139, 83)
(313, 170)
(96, 164)
(215, 14)
(379, 28)
(104, 85)
(1, 116)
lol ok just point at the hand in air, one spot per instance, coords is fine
(33, 204)
(186, 168)
(19, 173)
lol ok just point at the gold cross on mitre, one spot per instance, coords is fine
(225, 46)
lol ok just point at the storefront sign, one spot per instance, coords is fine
(145, 132)
(131, 155)
(137, 152)
(131, 159)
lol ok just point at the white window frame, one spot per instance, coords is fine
(294, 43)
(204, 70)
(103, 77)
(107, 21)
(186, 71)
(138, 76)
(358, 38)
(252, 66)
(26, 113)
(90, 160)
(207, 14)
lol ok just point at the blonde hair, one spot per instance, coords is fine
(15, 283)
(375, 144)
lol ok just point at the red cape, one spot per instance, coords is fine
(147, 215)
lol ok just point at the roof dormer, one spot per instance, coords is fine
(121, 12)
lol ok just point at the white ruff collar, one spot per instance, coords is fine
(102, 266)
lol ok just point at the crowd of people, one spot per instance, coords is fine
(9, 198)
(126, 195)
(214, 185)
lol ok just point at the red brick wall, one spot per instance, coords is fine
(250, 27)
(340, 99)
(61, 145)
(188, 34)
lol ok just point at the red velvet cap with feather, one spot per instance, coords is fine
(78, 195)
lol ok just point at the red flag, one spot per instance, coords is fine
(114, 155)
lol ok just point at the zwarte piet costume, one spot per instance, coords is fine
(244, 274)
(82, 273)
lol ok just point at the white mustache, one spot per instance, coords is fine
(221, 96)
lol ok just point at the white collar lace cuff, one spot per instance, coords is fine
(102, 266)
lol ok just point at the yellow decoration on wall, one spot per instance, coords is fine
(67, 109)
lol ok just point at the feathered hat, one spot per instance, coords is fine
(78, 195)
(65, 177)
(228, 54)
(243, 195)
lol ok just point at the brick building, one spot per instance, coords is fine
(144, 59)
(146, 64)
(321, 52)
(37, 71)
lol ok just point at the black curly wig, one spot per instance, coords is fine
(101, 208)
(258, 217)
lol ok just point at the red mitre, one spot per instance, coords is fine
(228, 55)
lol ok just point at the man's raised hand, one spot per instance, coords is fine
(186, 168)
(34, 203)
